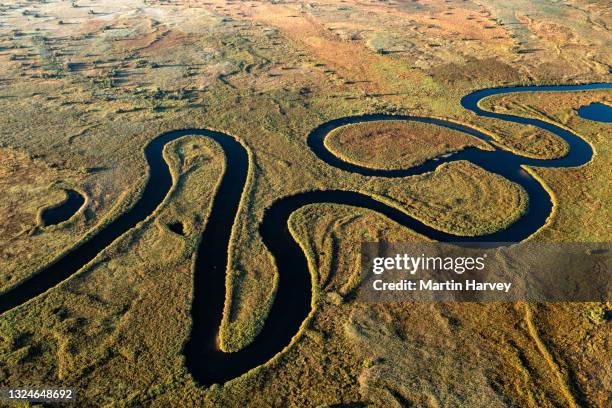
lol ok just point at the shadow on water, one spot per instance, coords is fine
(291, 305)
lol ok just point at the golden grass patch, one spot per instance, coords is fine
(396, 144)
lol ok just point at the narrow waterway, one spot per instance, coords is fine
(205, 361)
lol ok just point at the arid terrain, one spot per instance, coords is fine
(85, 85)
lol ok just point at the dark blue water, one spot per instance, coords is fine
(62, 212)
(206, 363)
(596, 111)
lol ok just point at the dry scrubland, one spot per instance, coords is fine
(85, 85)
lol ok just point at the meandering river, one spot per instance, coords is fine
(292, 303)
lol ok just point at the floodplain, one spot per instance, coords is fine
(88, 87)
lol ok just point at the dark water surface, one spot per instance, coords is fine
(291, 306)
(62, 212)
(596, 111)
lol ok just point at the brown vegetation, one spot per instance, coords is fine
(397, 144)
(81, 99)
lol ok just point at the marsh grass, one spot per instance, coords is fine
(396, 144)
(115, 330)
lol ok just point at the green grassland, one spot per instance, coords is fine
(81, 99)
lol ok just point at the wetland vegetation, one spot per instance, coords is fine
(85, 93)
